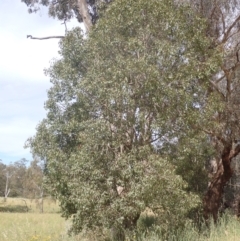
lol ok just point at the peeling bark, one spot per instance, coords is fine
(213, 197)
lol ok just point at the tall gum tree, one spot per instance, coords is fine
(116, 97)
(223, 19)
(86, 11)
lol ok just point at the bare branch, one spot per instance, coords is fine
(223, 22)
(226, 34)
(65, 24)
(235, 152)
(219, 79)
(217, 89)
(213, 134)
(50, 37)
(230, 36)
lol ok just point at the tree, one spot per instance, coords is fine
(33, 183)
(12, 177)
(137, 82)
(33, 180)
(223, 19)
(7, 189)
(2, 178)
(18, 169)
(85, 11)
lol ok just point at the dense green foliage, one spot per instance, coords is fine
(120, 101)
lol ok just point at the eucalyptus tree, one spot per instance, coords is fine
(33, 181)
(2, 178)
(86, 11)
(135, 83)
(223, 21)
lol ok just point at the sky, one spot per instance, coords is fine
(23, 85)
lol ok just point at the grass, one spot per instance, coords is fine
(22, 220)
(32, 226)
(228, 228)
(50, 226)
(29, 205)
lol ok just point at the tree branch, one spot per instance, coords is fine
(216, 88)
(50, 37)
(235, 152)
(226, 34)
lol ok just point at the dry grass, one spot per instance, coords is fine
(32, 226)
(33, 205)
(50, 226)
(18, 225)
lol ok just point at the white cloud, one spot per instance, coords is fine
(23, 85)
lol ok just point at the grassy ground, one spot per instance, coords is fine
(19, 225)
(228, 229)
(29, 205)
(50, 226)
(32, 227)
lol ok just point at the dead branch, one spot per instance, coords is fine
(50, 37)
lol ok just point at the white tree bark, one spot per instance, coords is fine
(83, 11)
(7, 189)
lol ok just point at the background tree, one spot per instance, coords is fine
(20, 180)
(2, 178)
(18, 172)
(135, 84)
(33, 181)
(12, 177)
(7, 188)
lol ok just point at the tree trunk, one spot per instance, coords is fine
(7, 190)
(214, 194)
(41, 202)
(83, 11)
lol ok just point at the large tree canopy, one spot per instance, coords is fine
(137, 83)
